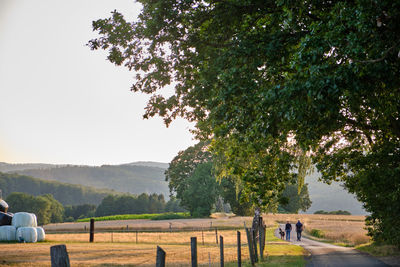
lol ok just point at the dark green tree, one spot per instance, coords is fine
(295, 200)
(174, 205)
(79, 211)
(232, 194)
(184, 165)
(45, 207)
(202, 191)
(273, 81)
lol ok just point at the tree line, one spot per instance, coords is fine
(49, 210)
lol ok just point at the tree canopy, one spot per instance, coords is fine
(272, 81)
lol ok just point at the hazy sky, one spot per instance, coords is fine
(60, 102)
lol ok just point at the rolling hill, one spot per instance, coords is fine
(135, 178)
(67, 194)
(148, 177)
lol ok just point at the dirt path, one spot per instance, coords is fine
(323, 254)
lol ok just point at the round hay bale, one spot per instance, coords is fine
(3, 206)
(24, 219)
(40, 234)
(26, 234)
(5, 219)
(8, 233)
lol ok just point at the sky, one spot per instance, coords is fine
(62, 103)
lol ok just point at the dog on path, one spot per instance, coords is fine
(282, 233)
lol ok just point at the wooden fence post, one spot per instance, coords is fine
(250, 244)
(193, 248)
(216, 236)
(59, 256)
(160, 258)
(136, 237)
(91, 238)
(202, 236)
(254, 235)
(221, 249)
(261, 239)
(239, 250)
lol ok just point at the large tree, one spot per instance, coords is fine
(273, 81)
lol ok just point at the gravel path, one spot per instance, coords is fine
(323, 254)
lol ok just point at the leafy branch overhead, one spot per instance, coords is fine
(270, 81)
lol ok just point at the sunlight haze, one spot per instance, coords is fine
(60, 102)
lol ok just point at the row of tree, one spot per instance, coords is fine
(132, 204)
(49, 210)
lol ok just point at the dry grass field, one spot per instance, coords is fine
(345, 229)
(114, 246)
(124, 251)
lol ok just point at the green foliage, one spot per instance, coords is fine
(228, 191)
(296, 201)
(131, 204)
(46, 208)
(66, 194)
(272, 82)
(183, 166)
(174, 205)
(335, 212)
(317, 233)
(201, 192)
(79, 211)
(181, 215)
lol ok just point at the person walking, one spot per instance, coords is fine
(288, 229)
(299, 229)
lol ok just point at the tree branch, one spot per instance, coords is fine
(385, 54)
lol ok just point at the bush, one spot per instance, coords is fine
(335, 212)
(317, 233)
(171, 216)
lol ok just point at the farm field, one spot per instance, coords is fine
(115, 246)
(346, 230)
(123, 252)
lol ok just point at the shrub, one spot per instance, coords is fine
(317, 233)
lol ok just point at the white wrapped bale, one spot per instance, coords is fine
(24, 219)
(7, 233)
(26, 234)
(40, 234)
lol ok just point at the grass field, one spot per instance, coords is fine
(340, 229)
(124, 251)
(114, 246)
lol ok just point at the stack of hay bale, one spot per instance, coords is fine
(21, 226)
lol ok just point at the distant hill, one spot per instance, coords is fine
(331, 197)
(135, 178)
(149, 164)
(67, 194)
(9, 167)
(148, 177)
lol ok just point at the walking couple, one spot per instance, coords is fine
(299, 229)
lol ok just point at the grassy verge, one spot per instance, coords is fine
(319, 235)
(160, 216)
(379, 250)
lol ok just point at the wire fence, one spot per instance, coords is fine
(176, 244)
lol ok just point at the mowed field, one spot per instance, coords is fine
(116, 246)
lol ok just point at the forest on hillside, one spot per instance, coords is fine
(127, 178)
(66, 194)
